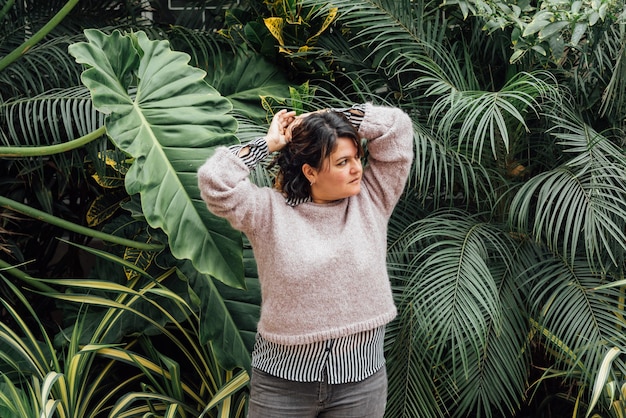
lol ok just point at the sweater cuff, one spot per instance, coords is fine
(252, 152)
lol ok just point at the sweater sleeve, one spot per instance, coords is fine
(389, 135)
(228, 192)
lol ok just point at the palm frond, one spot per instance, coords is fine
(45, 66)
(582, 203)
(411, 391)
(442, 175)
(392, 33)
(570, 301)
(614, 95)
(459, 276)
(452, 283)
(498, 376)
(57, 116)
(474, 117)
(378, 22)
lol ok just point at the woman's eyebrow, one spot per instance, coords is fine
(345, 156)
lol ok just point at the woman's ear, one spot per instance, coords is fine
(310, 173)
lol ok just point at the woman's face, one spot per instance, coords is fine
(339, 176)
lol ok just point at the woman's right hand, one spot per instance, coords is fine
(296, 120)
(277, 134)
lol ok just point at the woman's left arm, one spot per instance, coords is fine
(389, 135)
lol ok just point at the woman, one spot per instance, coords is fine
(319, 240)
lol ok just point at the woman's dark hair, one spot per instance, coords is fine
(313, 140)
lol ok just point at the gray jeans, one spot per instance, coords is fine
(273, 397)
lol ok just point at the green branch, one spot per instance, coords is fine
(38, 151)
(19, 274)
(33, 40)
(70, 226)
(6, 8)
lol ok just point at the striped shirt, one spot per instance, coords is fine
(341, 360)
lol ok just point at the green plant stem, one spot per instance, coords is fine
(70, 226)
(6, 8)
(39, 151)
(19, 274)
(30, 42)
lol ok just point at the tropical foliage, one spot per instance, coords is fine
(506, 252)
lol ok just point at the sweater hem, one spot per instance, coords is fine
(328, 334)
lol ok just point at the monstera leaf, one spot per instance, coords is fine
(161, 112)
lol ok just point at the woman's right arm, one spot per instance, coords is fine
(225, 187)
(224, 178)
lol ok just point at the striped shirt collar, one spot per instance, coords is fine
(295, 201)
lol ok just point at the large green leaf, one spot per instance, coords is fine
(170, 125)
(220, 321)
(244, 78)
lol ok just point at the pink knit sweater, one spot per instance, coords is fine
(322, 267)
